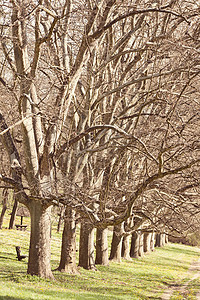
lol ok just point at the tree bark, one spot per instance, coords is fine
(147, 242)
(141, 247)
(68, 250)
(158, 242)
(152, 243)
(86, 247)
(126, 247)
(102, 247)
(162, 241)
(39, 249)
(166, 238)
(4, 208)
(135, 243)
(13, 214)
(116, 245)
(61, 217)
(126, 240)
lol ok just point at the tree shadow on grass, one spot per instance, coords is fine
(181, 250)
(5, 257)
(13, 276)
(33, 293)
(117, 289)
(9, 298)
(165, 262)
(118, 293)
(172, 263)
(9, 256)
(8, 253)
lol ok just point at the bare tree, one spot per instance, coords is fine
(105, 110)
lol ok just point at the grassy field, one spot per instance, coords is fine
(145, 278)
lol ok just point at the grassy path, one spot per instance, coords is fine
(146, 278)
(184, 291)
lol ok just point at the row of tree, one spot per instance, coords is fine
(100, 114)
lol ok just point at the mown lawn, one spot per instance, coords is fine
(145, 278)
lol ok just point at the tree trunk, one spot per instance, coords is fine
(126, 247)
(141, 247)
(166, 238)
(135, 244)
(152, 243)
(39, 249)
(4, 208)
(68, 250)
(61, 217)
(147, 242)
(126, 240)
(86, 247)
(116, 245)
(13, 214)
(102, 247)
(162, 241)
(158, 240)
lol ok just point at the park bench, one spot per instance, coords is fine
(21, 227)
(19, 256)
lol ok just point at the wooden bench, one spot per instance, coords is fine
(21, 227)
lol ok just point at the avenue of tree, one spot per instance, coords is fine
(99, 116)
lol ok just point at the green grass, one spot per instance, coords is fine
(144, 278)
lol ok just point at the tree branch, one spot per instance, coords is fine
(139, 190)
(85, 133)
(133, 81)
(132, 13)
